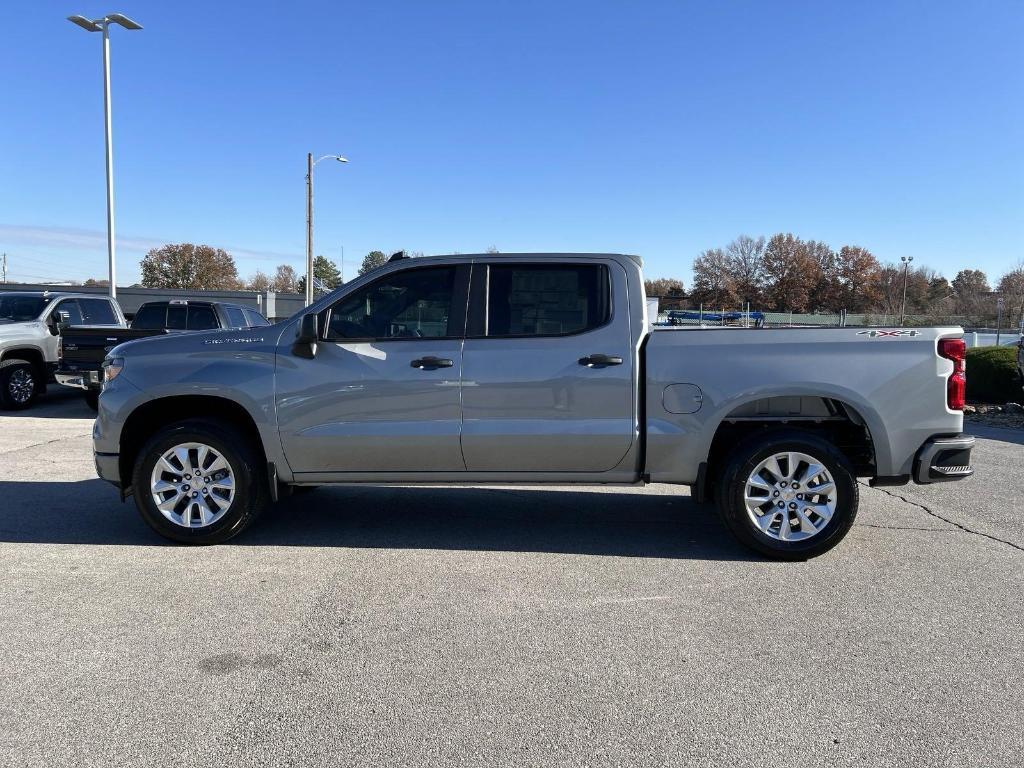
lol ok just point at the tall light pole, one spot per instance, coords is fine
(103, 25)
(906, 269)
(310, 162)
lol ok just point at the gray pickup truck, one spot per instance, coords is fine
(526, 368)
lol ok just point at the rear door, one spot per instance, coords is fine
(547, 383)
(382, 393)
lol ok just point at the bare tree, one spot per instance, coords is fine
(1011, 288)
(713, 283)
(746, 265)
(259, 282)
(668, 289)
(284, 280)
(827, 294)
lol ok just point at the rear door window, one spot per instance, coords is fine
(201, 317)
(150, 317)
(546, 300)
(97, 312)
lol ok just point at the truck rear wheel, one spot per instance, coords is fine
(198, 482)
(92, 399)
(18, 384)
(788, 494)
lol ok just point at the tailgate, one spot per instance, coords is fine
(83, 349)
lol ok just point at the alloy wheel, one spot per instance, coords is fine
(21, 385)
(193, 485)
(790, 496)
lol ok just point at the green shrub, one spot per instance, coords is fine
(992, 375)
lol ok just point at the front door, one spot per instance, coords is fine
(547, 382)
(382, 393)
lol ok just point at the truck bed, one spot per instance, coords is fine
(891, 380)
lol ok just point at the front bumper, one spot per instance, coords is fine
(80, 379)
(942, 459)
(108, 467)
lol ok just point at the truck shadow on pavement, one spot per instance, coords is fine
(586, 522)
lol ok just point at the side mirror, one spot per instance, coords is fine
(306, 336)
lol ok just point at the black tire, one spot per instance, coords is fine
(92, 399)
(19, 384)
(740, 464)
(252, 495)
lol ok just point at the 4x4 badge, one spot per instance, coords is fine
(874, 334)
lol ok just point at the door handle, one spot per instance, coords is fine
(600, 361)
(431, 363)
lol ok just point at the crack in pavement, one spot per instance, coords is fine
(45, 442)
(906, 528)
(936, 515)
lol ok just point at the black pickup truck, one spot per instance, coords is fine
(82, 350)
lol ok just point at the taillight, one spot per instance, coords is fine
(956, 387)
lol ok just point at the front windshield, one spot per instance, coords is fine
(19, 309)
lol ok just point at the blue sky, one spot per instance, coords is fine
(652, 128)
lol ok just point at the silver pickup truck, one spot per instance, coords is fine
(526, 368)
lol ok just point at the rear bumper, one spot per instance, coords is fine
(942, 459)
(79, 379)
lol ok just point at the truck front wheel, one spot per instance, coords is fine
(787, 494)
(199, 482)
(18, 384)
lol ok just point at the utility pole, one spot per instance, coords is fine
(906, 269)
(3, 266)
(309, 228)
(309, 219)
(103, 25)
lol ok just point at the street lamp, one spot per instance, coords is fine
(103, 25)
(906, 268)
(310, 162)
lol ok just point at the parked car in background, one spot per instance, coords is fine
(82, 349)
(526, 368)
(30, 324)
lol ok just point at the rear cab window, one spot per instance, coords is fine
(177, 317)
(150, 317)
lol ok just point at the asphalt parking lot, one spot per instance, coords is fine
(487, 627)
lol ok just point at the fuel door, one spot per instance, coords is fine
(682, 398)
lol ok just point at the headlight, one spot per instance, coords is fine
(112, 368)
